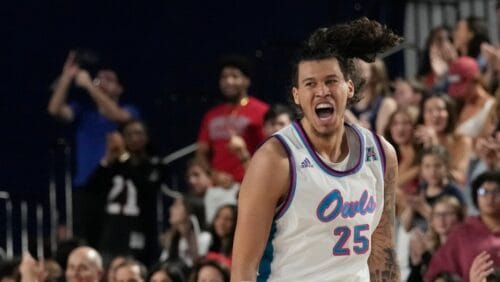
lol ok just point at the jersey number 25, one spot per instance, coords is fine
(360, 245)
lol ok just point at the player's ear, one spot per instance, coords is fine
(350, 89)
(295, 94)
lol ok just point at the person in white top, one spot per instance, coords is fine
(186, 239)
(199, 177)
(466, 87)
(317, 201)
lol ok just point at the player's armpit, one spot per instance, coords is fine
(382, 261)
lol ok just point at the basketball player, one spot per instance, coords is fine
(317, 201)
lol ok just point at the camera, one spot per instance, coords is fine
(88, 60)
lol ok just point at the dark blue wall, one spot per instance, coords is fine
(165, 52)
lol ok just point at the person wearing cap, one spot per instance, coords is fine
(466, 88)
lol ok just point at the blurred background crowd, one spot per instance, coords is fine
(126, 161)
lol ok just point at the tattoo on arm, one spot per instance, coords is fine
(390, 271)
(382, 262)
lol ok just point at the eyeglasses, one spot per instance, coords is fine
(483, 192)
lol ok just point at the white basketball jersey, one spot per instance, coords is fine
(322, 231)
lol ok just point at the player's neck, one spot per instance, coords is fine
(332, 147)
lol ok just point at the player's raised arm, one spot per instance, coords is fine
(382, 262)
(266, 182)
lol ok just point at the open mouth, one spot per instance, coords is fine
(324, 110)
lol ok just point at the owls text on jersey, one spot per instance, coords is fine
(322, 231)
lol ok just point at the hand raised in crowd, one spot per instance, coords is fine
(426, 136)
(441, 54)
(115, 148)
(492, 55)
(439, 63)
(418, 203)
(70, 68)
(481, 267)
(222, 179)
(488, 150)
(447, 51)
(238, 146)
(83, 79)
(30, 269)
(418, 246)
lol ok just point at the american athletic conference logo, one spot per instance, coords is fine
(306, 163)
(370, 154)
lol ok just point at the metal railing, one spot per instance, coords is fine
(7, 250)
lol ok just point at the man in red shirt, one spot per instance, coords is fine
(238, 118)
(478, 237)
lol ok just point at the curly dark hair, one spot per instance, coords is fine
(236, 61)
(360, 39)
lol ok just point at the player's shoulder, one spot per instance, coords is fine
(387, 149)
(272, 148)
(268, 172)
(391, 159)
(386, 145)
(271, 156)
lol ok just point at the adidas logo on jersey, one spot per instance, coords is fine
(306, 163)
